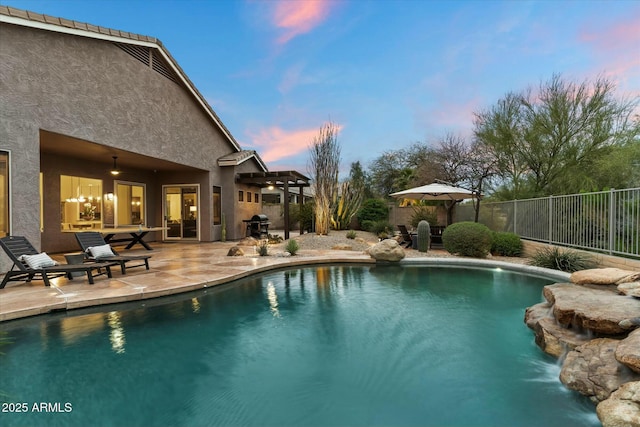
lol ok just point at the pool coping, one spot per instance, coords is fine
(177, 272)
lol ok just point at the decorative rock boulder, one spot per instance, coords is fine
(622, 408)
(592, 369)
(235, 251)
(628, 351)
(248, 241)
(631, 289)
(603, 276)
(555, 340)
(386, 250)
(599, 310)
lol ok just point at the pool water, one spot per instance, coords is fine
(321, 346)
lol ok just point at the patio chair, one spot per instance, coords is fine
(95, 248)
(406, 237)
(29, 263)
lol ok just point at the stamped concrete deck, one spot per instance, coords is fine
(174, 268)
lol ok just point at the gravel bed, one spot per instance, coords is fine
(337, 239)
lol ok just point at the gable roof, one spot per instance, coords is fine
(235, 159)
(30, 19)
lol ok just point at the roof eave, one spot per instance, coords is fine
(101, 33)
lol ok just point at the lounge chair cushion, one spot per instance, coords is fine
(102, 251)
(38, 261)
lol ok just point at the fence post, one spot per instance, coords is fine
(515, 216)
(550, 218)
(612, 221)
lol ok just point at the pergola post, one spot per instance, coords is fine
(286, 209)
(300, 203)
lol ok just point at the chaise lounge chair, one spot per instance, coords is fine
(95, 248)
(29, 263)
(406, 237)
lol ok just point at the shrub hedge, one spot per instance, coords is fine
(506, 244)
(467, 239)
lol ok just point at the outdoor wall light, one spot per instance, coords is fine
(115, 170)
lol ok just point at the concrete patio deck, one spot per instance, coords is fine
(174, 268)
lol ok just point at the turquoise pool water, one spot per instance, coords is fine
(321, 346)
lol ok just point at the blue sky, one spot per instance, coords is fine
(388, 73)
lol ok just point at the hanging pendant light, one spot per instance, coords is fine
(115, 170)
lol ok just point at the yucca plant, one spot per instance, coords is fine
(346, 205)
(562, 259)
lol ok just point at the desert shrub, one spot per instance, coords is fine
(426, 213)
(306, 215)
(263, 248)
(292, 246)
(366, 225)
(467, 239)
(274, 239)
(351, 234)
(373, 210)
(506, 244)
(381, 228)
(562, 259)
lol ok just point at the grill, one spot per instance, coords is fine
(257, 226)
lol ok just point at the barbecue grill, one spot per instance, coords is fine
(258, 226)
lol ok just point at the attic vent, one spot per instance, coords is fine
(141, 53)
(160, 66)
(150, 59)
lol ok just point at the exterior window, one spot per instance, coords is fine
(257, 198)
(130, 203)
(80, 202)
(241, 196)
(217, 206)
(4, 193)
(249, 196)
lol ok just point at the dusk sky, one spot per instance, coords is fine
(388, 73)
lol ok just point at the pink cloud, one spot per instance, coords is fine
(617, 48)
(299, 17)
(275, 143)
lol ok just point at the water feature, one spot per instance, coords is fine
(321, 346)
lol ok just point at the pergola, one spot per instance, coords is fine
(284, 179)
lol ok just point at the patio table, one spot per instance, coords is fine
(137, 235)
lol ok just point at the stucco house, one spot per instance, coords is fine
(80, 103)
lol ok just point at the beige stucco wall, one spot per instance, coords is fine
(92, 90)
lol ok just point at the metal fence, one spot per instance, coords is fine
(607, 221)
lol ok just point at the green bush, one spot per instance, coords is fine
(381, 228)
(306, 214)
(292, 247)
(506, 244)
(426, 213)
(373, 210)
(562, 259)
(467, 239)
(351, 234)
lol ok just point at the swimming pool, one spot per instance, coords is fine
(321, 346)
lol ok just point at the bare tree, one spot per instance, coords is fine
(324, 167)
